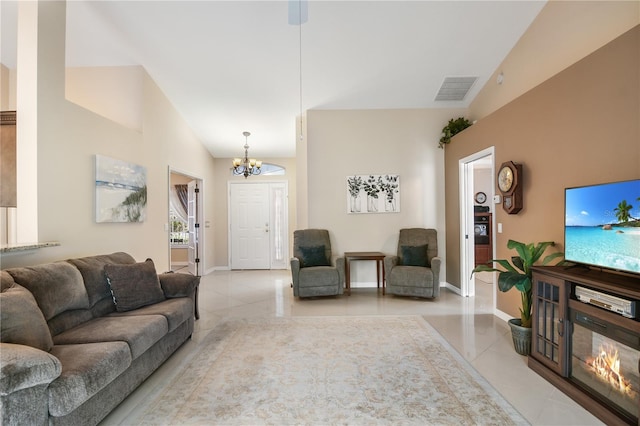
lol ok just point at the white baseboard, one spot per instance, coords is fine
(502, 315)
(364, 284)
(451, 287)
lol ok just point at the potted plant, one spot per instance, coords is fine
(452, 128)
(518, 274)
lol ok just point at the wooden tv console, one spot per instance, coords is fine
(554, 306)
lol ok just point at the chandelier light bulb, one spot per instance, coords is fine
(245, 166)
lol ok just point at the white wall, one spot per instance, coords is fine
(402, 142)
(69, 137)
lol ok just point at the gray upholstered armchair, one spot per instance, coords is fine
(311, 265)
(415, 270)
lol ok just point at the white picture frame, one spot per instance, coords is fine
(370, 194)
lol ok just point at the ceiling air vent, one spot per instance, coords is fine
(455, 88)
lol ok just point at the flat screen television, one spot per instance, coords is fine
(602, 225)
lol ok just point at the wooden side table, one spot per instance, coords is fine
(363, 255)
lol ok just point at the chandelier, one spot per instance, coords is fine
(246, 166)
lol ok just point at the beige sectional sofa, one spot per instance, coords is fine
(78, 336)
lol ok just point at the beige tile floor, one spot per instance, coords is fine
(466, 323)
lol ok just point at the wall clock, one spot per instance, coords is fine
(481, 197)
(509, 182)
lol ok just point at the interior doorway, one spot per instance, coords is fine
(258, 225)
(477, 230)
(186, 241)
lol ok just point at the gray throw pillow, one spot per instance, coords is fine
(21, 320)
(414, 255)
(134, 286)
(313, 256)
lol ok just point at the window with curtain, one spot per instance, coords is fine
(178, 224)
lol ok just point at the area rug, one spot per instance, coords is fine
(377, 370)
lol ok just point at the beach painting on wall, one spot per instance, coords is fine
(373, 194)
(121, 191)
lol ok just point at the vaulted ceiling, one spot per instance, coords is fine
(231, 66)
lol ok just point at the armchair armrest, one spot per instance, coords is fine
(341, 271)
(23, 367)
(295, 274)
(390, 262)
(436, 263)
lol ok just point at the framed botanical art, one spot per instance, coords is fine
(121, 191)
(373, 194)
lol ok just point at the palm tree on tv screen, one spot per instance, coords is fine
(622, 211)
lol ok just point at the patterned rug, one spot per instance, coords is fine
(378, 370)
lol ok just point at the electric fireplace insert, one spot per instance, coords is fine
(605, 362)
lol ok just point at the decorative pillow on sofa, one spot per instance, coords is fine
(414, 255)
(21, 320)
(313, 256)
(134, 286)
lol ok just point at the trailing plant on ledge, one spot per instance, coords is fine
(452, 128)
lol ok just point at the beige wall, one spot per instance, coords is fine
(403, 142)
(221, 194)
(112, 92)
(563, 33)
(580, 127)
(69, 137)
(7, 89)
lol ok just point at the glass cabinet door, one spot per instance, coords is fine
(549, 322)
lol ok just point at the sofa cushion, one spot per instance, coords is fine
(57, 287)
(176, 311)
(92, 270)
(313, 256)
(86, 369)
(134, 286)
(414, 255)
(21, 320)
(140, 332)
(319, 276)
(410, 276)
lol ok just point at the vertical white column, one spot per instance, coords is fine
(27, 123)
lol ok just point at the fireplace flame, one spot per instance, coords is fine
(607, 366)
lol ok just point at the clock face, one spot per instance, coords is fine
(505, 179)
(481, 197)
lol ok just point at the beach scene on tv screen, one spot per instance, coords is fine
(602, 225)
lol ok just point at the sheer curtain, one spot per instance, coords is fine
(178, 198)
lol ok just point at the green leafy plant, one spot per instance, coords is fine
(452, 128)
(518, 273)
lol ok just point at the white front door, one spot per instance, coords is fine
(249, 225)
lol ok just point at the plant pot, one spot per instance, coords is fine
(521, 336)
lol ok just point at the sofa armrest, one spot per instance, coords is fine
(178, 285)
(23, 367)
(181, 285)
